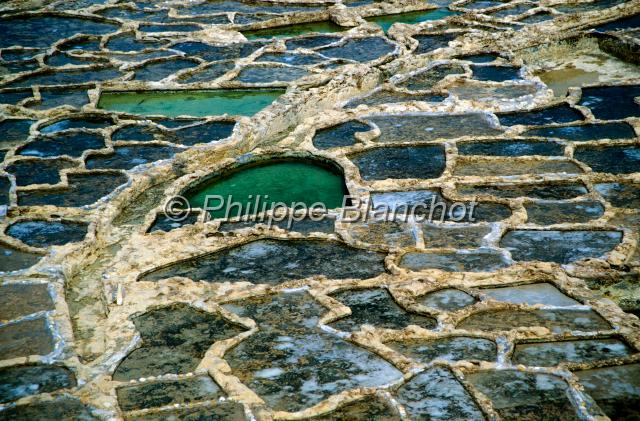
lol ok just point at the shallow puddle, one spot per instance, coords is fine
(193, 103)
(166, 224)
(291, 58)
(436, 394)
(520, 395)
(291, 363)
(322, 27)
(511, 148)
(304, 225)
(38, 171)
(264, 74)
(476, 261)
(157, 70)
(558, 212)
(451, 349)
(557, 321)
(377, 308)
(28, 30)
(495, 73)
(84, 189)
(311, 42)
(222, 410)
(612, 102)
(208, 73)
(65, 77)
(25, 338)
(262, 185)
(548, 354)
(88, 122)
(24, 380)
(384, 232)
(37, 233)
(560, 80)
(431, 206)
(575, 63)
(72, 144)
(61, 408)
(114, 106)
(275, 261)
(339, 135)
(586, 132)
(452, 236)
(448, 299)
(369, 408)
(427, 79)
(531, 294)
(360, 49)
(615, 389)
(559, 246)
(550, 191)
(488, 92)
(429, 43)
(127, 157)
(400, 162)
(14, 259)
(557, 114)
(410, 18)
(500, 167)
(392, 97)
(17, 300)
(5, 187)
(623, 195)
(610, 159)
(168, 392)
(200, 133)
(425, 127)
(174, 340)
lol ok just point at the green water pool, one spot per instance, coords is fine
(325, 27)
(410, 18)
(301, 181)
(193, 103)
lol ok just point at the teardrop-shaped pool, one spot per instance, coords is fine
(302, 181)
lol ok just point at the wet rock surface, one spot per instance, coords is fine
(447, 400)
(290, 350)
(113, 307)
(615, 389)
(555, 320)
(274, 261)
(47, 233)
(552, 353)
(21, 381)
(448, 299)
(164, 393)
(376, 308)
(560, 246)
(22, 299)
(449, 349)
(174, 340)
(63, 408)
(516, 394)
(542, 293)
(400, 162)
(26, 337)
